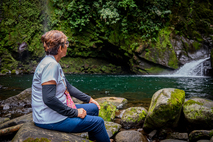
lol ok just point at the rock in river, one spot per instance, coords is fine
(165, 109)
(133, 117)
(17, 105)
(130, 136)
(199, 113)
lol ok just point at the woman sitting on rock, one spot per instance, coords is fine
(52, 105)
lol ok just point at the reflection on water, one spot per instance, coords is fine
(136, 88)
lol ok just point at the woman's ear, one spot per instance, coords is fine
(60, 49)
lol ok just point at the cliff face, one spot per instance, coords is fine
(142, 37)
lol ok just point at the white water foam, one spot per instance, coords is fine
(194, 68)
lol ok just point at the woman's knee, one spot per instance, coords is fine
(100, 121)
(95, 109)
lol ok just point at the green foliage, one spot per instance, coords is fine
(22, 22)
(192, 15)
(143, 17)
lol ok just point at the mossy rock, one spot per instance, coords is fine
(112, 128)
(165, 109)
(196, 45)
(161, 52)
(18, 120)
(5, 71)
(19, 104)
(199, 113)
(133, 117)
(196, 135)
(88, 65)
(107, 111)
(13, 72)
(130, 136)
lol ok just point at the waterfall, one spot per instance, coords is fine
(194, 68)
(46, 14)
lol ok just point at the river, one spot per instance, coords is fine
(135, 88)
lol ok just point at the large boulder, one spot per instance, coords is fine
(133, 117)
(196, 135)
(117, 101)
(17, 105)
(16, 121)
(109, 106)
(199, 113)
(165, 109)
(30, 132)
(112, 128)
(130, 136)
(107, 111)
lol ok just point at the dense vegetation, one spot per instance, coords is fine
(110, 30)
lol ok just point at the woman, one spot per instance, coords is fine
(50, 94)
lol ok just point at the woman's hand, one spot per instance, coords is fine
(82, 113)
(95, 102)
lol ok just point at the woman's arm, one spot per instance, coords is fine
(48, 95)
(49, 98)
(80, 95)
(77, 93)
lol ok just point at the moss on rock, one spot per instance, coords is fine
(190, 102)
(88, 65)
(165, 109)
(198, 113)
(133, 117)
(107, 111)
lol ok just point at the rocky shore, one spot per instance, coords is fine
(170, 118)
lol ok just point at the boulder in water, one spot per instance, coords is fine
(133, 117)
(165, 109)
(17, 105)
(107, 111)
(196, 135)
(16, 121)
(130, 136)
(199, 113)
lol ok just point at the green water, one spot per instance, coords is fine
(135, 88)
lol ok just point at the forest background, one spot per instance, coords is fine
(120, 36)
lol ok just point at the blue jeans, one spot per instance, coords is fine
(92, 123)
